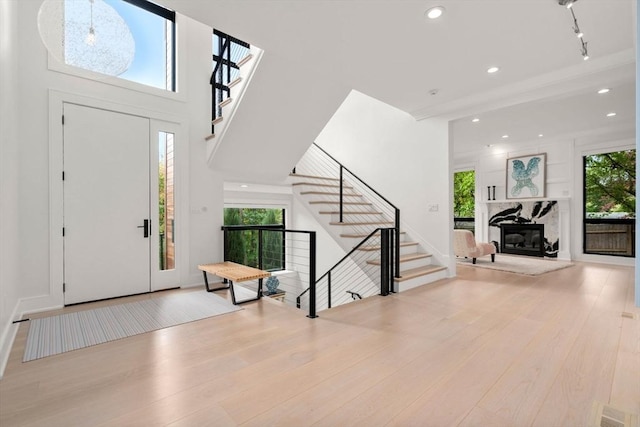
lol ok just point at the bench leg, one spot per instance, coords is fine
(233, 294)
(206, 283)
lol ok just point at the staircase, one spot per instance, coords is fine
(350, 212)
(235, 62)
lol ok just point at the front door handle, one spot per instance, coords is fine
(147, 227)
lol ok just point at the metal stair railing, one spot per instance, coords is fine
(317, 162)
(228, 51)
(297, 254)
(345, 281)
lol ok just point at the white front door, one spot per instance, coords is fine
(106, 204)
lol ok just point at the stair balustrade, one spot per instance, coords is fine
(228, 52)
(346, 281)
(351, 212)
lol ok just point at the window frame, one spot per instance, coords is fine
(586, 221)
(284, 211)
(177, 43)
(169, 15)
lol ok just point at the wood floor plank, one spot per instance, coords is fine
(518, 395)
(484, 348)
(454, 397)
(626, 387)
(587, 374)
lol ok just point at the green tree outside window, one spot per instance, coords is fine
(610, 184)
(464, 186)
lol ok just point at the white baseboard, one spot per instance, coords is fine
(23, 307)
(6, 339)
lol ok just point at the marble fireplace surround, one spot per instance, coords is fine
(553, 213)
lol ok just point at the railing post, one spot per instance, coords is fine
(283, 255)
(329, 289)
(396, 261)
(260, 263)
(219, 78)
(341, 192)
(228, 52)
(312, 275)
(225, 243)
(384, 262)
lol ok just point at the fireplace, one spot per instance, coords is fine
(522, 239)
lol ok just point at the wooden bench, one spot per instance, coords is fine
(232, 272)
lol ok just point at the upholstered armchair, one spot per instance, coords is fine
(464, 244)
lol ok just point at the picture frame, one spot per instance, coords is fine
(526, 176)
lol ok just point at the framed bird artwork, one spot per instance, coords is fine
(526, 176)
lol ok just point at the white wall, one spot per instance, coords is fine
(563, 177)
(405, 160)
(31, 286)
(9, 172)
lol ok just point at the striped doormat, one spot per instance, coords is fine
(72, 331)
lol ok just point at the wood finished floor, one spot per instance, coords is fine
(484, 349)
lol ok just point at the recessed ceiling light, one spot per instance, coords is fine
(476, 120)
(505, 136)
(604, 90)
(244, 186)
(492, 70)
(611, 114)
(435, 12)
(540, 135)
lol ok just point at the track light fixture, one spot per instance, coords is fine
(576, 28)
(566, 3)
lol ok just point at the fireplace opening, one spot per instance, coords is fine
(522, 239)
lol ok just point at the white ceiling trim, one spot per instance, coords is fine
(614, 68)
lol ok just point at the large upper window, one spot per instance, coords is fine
(610, 203)
(130, 39)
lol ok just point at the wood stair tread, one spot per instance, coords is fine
(235, 82)
(331, 202)
(360, 235)
(349, 213)
(329, 193)
(403, 258)
(225, 102)
(216, 121)
(244, 60)
(362, 223)
(297, 175)
(377, 247)
(209, 137)
(419, 271)
(319, 184)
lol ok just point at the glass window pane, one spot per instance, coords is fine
(166, 198)
(464, 186)
(116, 38)
(242, 246)
(609, 203)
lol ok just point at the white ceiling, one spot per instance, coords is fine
(387, 50)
